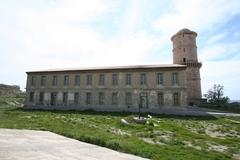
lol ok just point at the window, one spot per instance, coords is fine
(88, 98)
(143, 79)
(160, 78)
(184, 50)
(89, 79)
(54, 81)
(31, 97)
(176, 99)
(174, 78)
(76, 98)
(160, 99)
(41, 97)
(114, 79)
(33, 81)
(101, 98)
(77, 80)
(128, 79)
(114, 98)
(128, 98)
(66, 80)
(65, 97)
(53, 98)
(101, 79)
(43, 81)
(184, 60)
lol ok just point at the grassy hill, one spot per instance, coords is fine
(164, 137)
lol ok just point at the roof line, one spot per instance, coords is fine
(112, 68)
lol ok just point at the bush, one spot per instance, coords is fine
(113, 145)
(93, 140)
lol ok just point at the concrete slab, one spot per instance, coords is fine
(43, 145)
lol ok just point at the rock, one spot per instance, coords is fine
(141, 120)
(149, 116)
(123, 121)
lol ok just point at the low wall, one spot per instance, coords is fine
(171, 110)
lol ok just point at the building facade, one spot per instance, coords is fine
(122, 88)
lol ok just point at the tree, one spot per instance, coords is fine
(215, 95)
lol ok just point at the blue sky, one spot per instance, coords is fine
(44, 34)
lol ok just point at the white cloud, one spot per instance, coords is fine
(80, 10)
(47, 36)
(197, 15)
(223, 51)
(210, 52)
(132, 17)
(216, 38)
(62, 35)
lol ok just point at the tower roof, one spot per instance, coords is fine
(184, 31)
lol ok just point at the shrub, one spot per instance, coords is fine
(113, 145)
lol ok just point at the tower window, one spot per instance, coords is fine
(184, 59)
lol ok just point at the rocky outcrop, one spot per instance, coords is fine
(9, 90)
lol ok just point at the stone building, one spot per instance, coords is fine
(9, 90)
(121, 88)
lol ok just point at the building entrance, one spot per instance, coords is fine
(143, 100)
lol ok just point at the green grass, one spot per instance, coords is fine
(165, 137)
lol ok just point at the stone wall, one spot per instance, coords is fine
(9, 90)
